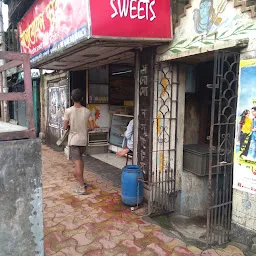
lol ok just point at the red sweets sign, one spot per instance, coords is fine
(134, 11)
(131, 18)
(51, 25)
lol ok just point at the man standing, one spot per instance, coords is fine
(254, 132)
(77, 118)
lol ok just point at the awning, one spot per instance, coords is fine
(80, 34)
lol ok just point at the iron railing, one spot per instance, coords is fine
(15, 60)
(222, 133)
(163, 178)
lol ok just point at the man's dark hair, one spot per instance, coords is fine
(254, 108)
(77, 95)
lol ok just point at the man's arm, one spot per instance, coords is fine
(91, 125)
(66, 120)
(66, 124)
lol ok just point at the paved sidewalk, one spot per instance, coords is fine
(98, 223)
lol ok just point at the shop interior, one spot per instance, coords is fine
(197, 126)
(198, 102)
(109, 94)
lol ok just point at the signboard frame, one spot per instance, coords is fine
(117, 22)
(50, 26)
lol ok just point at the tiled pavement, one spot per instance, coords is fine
(98, 223)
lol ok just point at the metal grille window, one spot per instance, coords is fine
(163, 178)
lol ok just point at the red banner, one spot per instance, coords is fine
(51, 25)
(131, 18)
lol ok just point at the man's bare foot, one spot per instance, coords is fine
(122, 152)
(119, 154)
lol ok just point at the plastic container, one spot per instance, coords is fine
(196, 159)
(132, 189)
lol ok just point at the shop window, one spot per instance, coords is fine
(198, 103)
(121, 85)
(98, 88)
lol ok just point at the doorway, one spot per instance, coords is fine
(209, 133)
(210, 113)
(109, 92)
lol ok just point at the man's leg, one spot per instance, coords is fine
(76, 156)
(79, 171)
(82, 168)
(85, 184)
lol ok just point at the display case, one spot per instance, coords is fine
(118, 127)
(98, 137)
(98, 141)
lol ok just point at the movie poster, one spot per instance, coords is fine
(57, 105)
(53, 107)
(100, 115)
(245, 145)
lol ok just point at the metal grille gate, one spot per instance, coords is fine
(163, 176)
(222, 134)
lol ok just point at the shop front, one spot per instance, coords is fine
(109, 55)
(213, 164)
(186, 97)
(61, 35)
(109, 94)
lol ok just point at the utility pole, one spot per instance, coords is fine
(3, 79)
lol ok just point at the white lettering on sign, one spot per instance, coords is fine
(136, 9)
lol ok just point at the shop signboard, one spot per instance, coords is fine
(131, 18)
(53, 25)
(146, 85)
(245, 146)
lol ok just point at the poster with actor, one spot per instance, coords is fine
(245, 146)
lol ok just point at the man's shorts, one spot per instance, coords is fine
(76, 152)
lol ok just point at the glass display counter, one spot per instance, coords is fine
(118, 127)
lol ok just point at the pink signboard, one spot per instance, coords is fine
(51, 25)
(131, 18)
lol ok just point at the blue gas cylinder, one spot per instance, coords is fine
(132, 189)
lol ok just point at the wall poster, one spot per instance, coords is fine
(100, 114)
(245, 146)
(58, 102)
